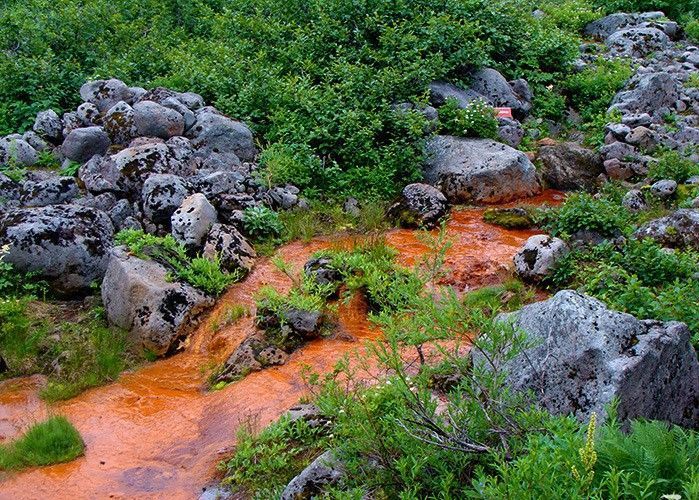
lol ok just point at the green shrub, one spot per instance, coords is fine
(318, 78)
(262, 222)
(591, 91)
(672, 165)
(691, 29)
(582, 211)
(674, 9)
(202, 273)
(292, 164)
(476, 120)
(17, 284)
(265, 462)
(50, 442)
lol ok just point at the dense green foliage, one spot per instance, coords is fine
(200, 272)
(476, 120)
(584, 212)
(317, 80)
(672, 165)
(50, 442)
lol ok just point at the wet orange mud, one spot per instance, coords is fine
(157, 433)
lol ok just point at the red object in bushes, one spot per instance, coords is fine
(504, 112)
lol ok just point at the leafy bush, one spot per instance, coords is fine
(261, 222)
(202, 273)
(50, 442)
(672, 165)
(591, 91)
(17, 284)
(317, 80)
(691, 29)
(676, 9)
(582, 211)
(476, 120)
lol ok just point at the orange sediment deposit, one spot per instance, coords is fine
(158, 433)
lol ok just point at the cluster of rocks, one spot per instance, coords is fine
(657, 108)
(470, 170)
(156, 160)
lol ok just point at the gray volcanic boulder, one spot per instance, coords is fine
(252, 355)
(602, 28)
(478, 170)
(192, 221)
(163, 194)
(587, 355)
(9, 189)
(652, 92)
(52, 191)
(120, 124)
(441, 91)
(499, 92)
(324, 471)
(18, 151)
(664, 189)
(570, 166)
(49, 126)
(135, 164)
(82, 144)
(680, 229)
(101, 175)
(215, 133)
(138, 296)
(637, 42)
(420, 205)
(634, 200)
(231, 247)
(538, 257)
(105, 93)
(153, 120)
(88, 114)
(66, 244)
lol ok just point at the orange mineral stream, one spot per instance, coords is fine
(157, 433)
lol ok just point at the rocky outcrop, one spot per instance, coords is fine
(501, 93)
(586, 355)
(192, 221)
(255, 353)
(138, 296)
(569, 166)
(538, 257)
(478, 170)
(324, 471)
(420, 205)
(67, 245)
(230, 247)
(677, 230)
(637, 42)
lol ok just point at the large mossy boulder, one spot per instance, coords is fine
(585, 355)
(68, 245)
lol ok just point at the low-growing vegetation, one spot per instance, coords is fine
(50, 442)
(200, 272)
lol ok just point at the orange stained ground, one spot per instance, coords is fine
(156, 433)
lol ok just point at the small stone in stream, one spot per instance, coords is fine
(509, 218)
(324, 471)
(538, 257)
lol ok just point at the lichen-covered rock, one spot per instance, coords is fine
(52, 191)
(499, 92)
(9, 189)
(570, 166)
(35, 141)
(539, 256)
(192, 221)
(105, 93)
(215, 133)
(324, 471)
(135, 164)
(637, 42)
(231, 247)
(18, 151)
(652, 92)
(510, 132)
(634, 200)
(49, 126)
(603, 27)
(252, 355)
(120, 124)
(478, 170)
(66, 244)
(664, 189)
(322, 271)
(82, 144)
(153, 120)
(677, 230)
(88, 114)
(176, 105)
(420, 205)
(163, 194)
(441, 91)
(138, 296)
(586, 355)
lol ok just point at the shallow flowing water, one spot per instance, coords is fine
(157, 433)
